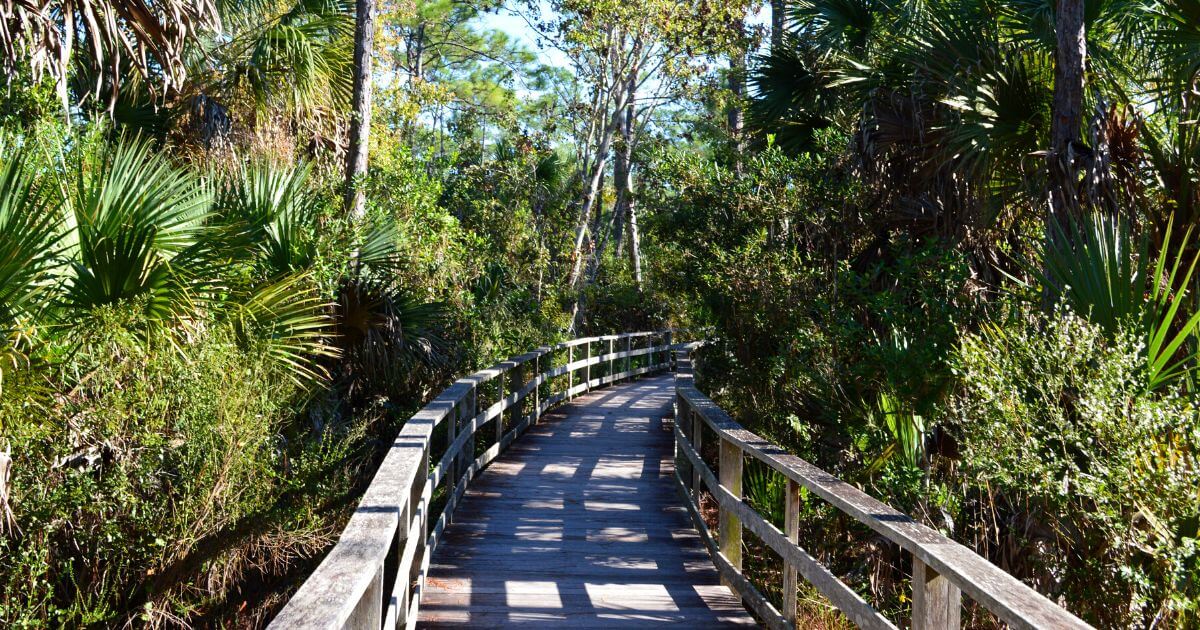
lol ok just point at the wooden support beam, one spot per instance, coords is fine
(730, 525)
(628, 359)
(501, 394)
(518, 384)
(537, 391)
(401, 589)
(452, 423)
(472, 407)
(419, 512)
(936, 602)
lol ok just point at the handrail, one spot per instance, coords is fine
(375, 574)
(943, 570)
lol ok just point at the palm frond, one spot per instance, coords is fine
(1110, 278)
(275, 211)
(149, 37)
(30, 231)
(136, 230)
(291, 322)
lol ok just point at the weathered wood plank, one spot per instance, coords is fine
(936, 602)
(395, 505)
(578, 523)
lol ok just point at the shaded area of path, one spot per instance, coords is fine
(578, 524)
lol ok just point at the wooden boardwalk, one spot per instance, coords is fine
(578, 524)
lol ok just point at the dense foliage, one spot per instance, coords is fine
(903, 279)
(889, 301)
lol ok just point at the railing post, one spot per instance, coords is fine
(400, 589)
(611, 374)
(466, 416)
(419, 512)
(628, 359)
(369, 611)
(936, 602)
(587, 369)
(791, 528)
(452, 423)
(667, 353)
(518, 383)
(697, 444)
(570, 371)
(537, 390)
(501, 386)
(731, 527)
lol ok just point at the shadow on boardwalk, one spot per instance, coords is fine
(579, 525)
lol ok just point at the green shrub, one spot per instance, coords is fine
(150, 479)
(1091, 482)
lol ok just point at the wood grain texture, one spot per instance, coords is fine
(578, 524)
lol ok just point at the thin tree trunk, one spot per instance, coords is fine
(635, 245)
(623, 169)
(737, 87)
(778, 18)
(592, 190)
(1067, 116)
(360, 119)
(622, 113)
(620, 177)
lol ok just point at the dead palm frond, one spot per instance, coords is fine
(149, 37)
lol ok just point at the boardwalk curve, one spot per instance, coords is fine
(544, 491)
(579, 524)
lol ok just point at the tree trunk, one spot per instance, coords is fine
(778, 17)
(737, 87)
(360, 119)
(623, 169)
(592, 190)
(1067, 116)
(635, 245)
(622, 120)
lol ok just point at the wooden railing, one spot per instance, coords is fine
(943, 570)
(373, 577)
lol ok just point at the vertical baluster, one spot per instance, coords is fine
(368, 614)
(698, 444)
(518, 384)
(668, 353)
(400, 589)
(791, 528)
(628, 359)
(731, 527)
(501, 383)
(936, 602)
(467, 455)
(420, 514)
(587, 369)
(611, 345)
(452, 420)
(537, 390)
(570, 371)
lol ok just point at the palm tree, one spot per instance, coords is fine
(29, 237)
(135, 231)
(150, 37)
